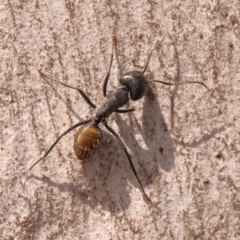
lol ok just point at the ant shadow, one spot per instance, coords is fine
(158, 149)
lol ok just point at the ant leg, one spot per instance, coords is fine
(53, 145)
(84, 96)
(125, 110)
(108, 73)
(168, 83)
(128, 157)
(150, 54)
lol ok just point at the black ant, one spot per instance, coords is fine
(88, 137)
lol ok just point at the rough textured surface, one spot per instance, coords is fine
(185, 143)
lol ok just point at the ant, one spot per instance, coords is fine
(88, 137)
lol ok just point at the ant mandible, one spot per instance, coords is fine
(88, 137)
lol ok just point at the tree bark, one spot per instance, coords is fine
(183, 140)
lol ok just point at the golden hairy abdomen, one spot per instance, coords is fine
(87, 141)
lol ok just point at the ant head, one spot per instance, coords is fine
(87, 141)
(136, 83)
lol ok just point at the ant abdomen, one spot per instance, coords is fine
(87, 141)
(136, 83)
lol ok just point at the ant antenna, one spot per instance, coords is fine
(168, 83)
(150, 54)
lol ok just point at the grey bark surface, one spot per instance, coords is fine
(184, 142)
